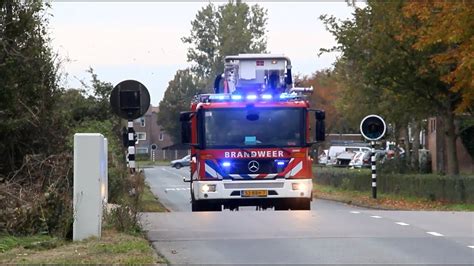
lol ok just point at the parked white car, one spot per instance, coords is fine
(323, 158)
(362, 159)
(337, 150)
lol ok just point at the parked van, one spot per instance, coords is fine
(336, 150)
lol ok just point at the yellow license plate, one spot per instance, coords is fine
(254, 193)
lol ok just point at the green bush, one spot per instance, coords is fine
(117, 183)
(142, 157)
(40, 202)
(429, 186)
(125, 216)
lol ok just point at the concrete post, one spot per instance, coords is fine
(105, 179)
(90, 164)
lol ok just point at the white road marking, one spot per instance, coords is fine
(355, 212)
(376, 217)
(402, 223)
(177, 189)
(166, 170)
(434, 233)
(470, 247)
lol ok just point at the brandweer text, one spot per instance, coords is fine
(251, 154)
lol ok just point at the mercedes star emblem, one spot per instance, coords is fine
(253, 166)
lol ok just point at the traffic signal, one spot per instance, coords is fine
(372, 127)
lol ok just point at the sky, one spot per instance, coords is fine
(142, 41)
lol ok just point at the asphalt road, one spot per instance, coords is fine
(330, 233)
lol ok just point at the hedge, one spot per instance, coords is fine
(430, 186)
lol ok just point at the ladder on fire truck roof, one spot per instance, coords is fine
(257, 73)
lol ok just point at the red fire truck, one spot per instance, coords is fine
(250, 140)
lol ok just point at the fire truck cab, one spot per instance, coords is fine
(250, 140)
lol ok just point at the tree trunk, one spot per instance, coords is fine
(451, 152)
(416, 145)
(407, 145)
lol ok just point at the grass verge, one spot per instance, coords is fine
(113, 248)
(384, 201)
(149, 163)
(150, 203)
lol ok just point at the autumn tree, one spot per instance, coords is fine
(446, 30)
(177, 98)
(216, 32)
(402, 82)
(228, 29)
(324, 97)
(29, 90)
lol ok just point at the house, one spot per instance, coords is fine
(436, 146)
(148, 133)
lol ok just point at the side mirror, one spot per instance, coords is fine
(320, 132)
(185, 116)
(185, 119)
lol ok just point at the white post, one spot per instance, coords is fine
(89, 173)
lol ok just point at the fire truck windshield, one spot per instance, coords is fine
(259, 127)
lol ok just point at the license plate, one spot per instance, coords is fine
(254, 193)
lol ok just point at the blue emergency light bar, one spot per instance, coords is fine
(226, 97)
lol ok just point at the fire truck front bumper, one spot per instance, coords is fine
(252, 189)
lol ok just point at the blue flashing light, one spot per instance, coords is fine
(267, 96)
(236, 97)
(288, 96)
(280, 163)
(251, 97)
(217, 97)
(226, 164)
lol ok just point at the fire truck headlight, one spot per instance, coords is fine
(208, 188)
(298, 186)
